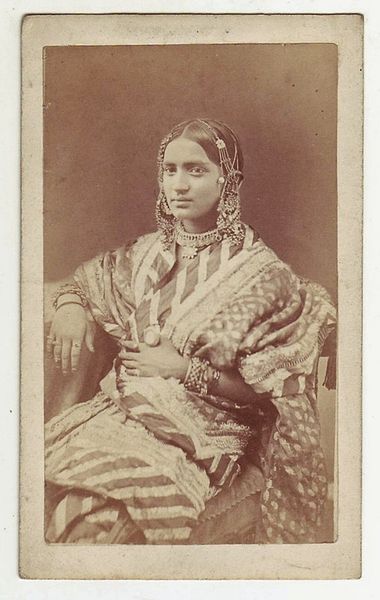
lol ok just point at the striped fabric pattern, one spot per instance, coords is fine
(117, 459)
(147, 450)
(162, 454)
(163, 296)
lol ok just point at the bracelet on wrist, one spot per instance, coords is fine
(69, 288)
(66, 302)
(201, 377)
(215, 377)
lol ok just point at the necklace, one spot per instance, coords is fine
(192, 242)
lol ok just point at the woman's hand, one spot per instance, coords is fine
(158, 361)
(69, 328)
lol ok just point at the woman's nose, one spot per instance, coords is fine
(181, 183)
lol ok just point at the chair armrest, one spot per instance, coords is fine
(62, 391)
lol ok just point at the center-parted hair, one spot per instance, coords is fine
(197, 131)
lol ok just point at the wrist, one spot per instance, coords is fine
(68, 299)
(69, 290)
(179, 369)
(201, 377)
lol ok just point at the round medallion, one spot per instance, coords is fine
(152, 335)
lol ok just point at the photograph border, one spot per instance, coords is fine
(317, 561)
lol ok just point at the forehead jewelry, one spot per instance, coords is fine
(228, 221)
(227, 165)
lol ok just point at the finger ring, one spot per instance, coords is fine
(76, 345)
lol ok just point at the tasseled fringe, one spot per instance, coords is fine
(329, 350)
(330, 377)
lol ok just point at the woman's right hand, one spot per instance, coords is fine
(69, 329)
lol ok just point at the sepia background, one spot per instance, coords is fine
(106, 109)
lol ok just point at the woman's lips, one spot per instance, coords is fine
(182, 201)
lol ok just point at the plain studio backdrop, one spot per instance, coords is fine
(106, 109)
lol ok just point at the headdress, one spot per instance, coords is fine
(228, 222)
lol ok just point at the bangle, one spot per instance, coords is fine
(69, 302)
(196, 378)
(201, 377)
(70, 288)
(214, 380)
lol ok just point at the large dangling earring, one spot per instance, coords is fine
(165, 220)
(228, 221)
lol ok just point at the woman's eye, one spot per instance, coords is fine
(197, 170)
(169, 170)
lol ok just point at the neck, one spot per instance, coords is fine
(199, 226)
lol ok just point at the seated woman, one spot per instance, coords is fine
(218, 341)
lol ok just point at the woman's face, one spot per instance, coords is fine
(190, 182)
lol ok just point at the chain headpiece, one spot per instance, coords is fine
(228, 221)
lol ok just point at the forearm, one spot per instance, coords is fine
(229, 383)
(195, 373)
(232, 386)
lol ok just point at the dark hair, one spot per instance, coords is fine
(196, 131)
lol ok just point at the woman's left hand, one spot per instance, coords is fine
(163, 360)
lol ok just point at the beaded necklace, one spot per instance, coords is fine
(192, 242)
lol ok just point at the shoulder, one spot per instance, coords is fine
(266, 272)
(138, 249)
(147, 239)
(258, 250)
(120, 259)
(267, 263)
(135, 246)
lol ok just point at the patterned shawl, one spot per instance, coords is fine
(239, 306)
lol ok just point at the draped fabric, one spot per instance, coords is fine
(148, 445)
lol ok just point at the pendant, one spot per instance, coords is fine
(189, 251)
(151, 335)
